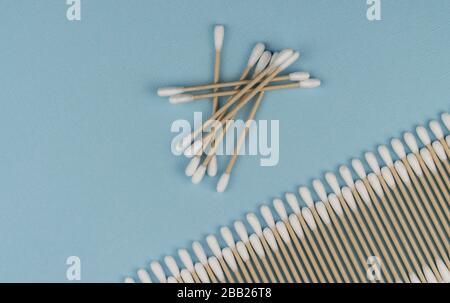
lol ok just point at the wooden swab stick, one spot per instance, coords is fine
(172, 91)
(323, 235)
(187, 261)
(201, 256)
(243, 253)
(257, 246)
(254, 223)
(231, 261)
(215, 248)
(267, 215)
(254, 57)
(229, 240)
(302, 83)
(282, 213)
(242, 233)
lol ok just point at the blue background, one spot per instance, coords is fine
(85, 161)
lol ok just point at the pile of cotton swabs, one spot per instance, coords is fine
(389, 224)
(268, 66)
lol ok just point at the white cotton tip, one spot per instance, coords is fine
(385, 155)
(293, 203)
(294, 57)
(426, 156)
(197, 177)
(227, 236)
(388, 177)
(186, 259)
(242, 251)
(257, 51)
(282, 57)
(214, 245)
(143, 276)
(439, 149)
(398, 148)
(310, 83)
(436, 129)
(359, 168)
(333, 182)
(270, 238)
(158, 271)
(257, 246)
(215, 266)
(296, 226)
(308, 216)
(429, 276)
(320, 190)
(376, 185)
(414, 163)
(169, 91)
(348, 197)
(373, 162)
(129, 280)
(194, 148)
(445, 117)
(267, 215)
(282, 230)
(335, 204)
(172, 265)
(280, 209)
(306, 196)
(223, 183)
(414, 278)
(410, 140)
(186, 276)
(263, 62)
(323, 213)
(219, 32)
(199, 252)
(299, 76)
(362, 190)
(229, 258)
(241, 231)
(181, 98)
(212, 167)
(443, 270)
(272, 59)
(201, 273)
(192, 166)
(182, 144)
(254, 223)
(346, 174)
(171, 280)
(423, 135)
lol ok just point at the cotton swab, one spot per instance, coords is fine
(256, 225)
(229, 259)
(245, 256)
(173, 268)
(187, 261)
(439, 134)
(282, 213)
(303, 82)
(144, 276)
(322, 236)
(267, 215)
(242, 233)
(254, 56)
(201, 256)
(158, 271)
(215, 248)
(215, 266)
(258, 248)
(229, 240)
(272, 243)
